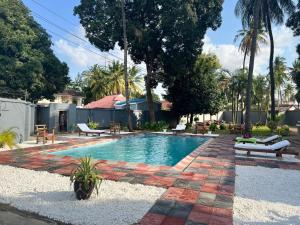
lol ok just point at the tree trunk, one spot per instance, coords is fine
(149, 94)
(125, 66)
(242, 110)
(271, 59)
(191, 118)
(244, 61)
(251, 68)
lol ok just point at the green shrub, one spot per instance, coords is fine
(213, 127)
(222, 126)
(196, 119)
(93, 125)
(158, 126)
(261, 131)
(284, 130)
(8, 137)
(188, 126)
(272, 125)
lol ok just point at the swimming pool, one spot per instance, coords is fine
(146, 148)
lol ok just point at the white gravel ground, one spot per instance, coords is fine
(266, 196)
(51, 195)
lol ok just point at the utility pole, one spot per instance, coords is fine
(125, 65)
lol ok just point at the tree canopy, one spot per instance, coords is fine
(197, 92)
(27, 63)
(97, 81)
(165, 34)
(294, 23)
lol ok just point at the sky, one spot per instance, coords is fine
(71, 46)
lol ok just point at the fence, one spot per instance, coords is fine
(104, 116)
(256, 117)
(19, 115)
(292, 117)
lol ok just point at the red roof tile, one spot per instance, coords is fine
(108, 102)
(166, 105)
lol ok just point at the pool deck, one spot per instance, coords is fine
(200, 188)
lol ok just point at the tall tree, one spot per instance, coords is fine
(155, 36)
(245, 35)
(281, 76)
(125, 66)
(260, 93)
(294, 23)
(295, 74)
(273, 12)
(241, 7)
(270, 11)
(197, 92)
(27, 63)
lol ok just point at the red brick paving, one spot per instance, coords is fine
(200, 188)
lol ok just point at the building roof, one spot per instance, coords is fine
(166, 105)
(108, 102)
(70, 92)
(131, 101)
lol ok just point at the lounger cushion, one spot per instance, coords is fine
(180, 127)
(84, 128)
(268, 139)
(274, 147)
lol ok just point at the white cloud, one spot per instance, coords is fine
(232, 59)
(80, 52)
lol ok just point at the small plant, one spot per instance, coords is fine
(284, 130)
(213, 127)
(222, 126)
(85, 178)
(93, 125)
(272, 125)
(196, 119)
(158, 126)
(8, 138)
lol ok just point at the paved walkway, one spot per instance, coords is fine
(199, 191)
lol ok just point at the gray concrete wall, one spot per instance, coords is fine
(19, 115)
(255, 117)
(105, 116)
(49, 114)
(292, 117)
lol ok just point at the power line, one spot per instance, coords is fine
(54, 13)
(77, 44)
(76, 36)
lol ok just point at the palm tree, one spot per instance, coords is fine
(243, 6)
(288, 91)
(280, 75)
(273, 12)
(116, 84)
(135, 82)
(260, 88)
(245, 35)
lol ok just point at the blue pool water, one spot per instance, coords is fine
(149, 149)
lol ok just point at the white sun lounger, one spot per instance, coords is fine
(265, 141)
(276, 148)
(179, 128)
(83, 128)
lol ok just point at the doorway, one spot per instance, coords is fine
(63, 121)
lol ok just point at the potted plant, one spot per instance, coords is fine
(85, 178)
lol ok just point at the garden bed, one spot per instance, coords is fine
(52, 196)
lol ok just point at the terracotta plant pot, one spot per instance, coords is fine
(81, 192)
